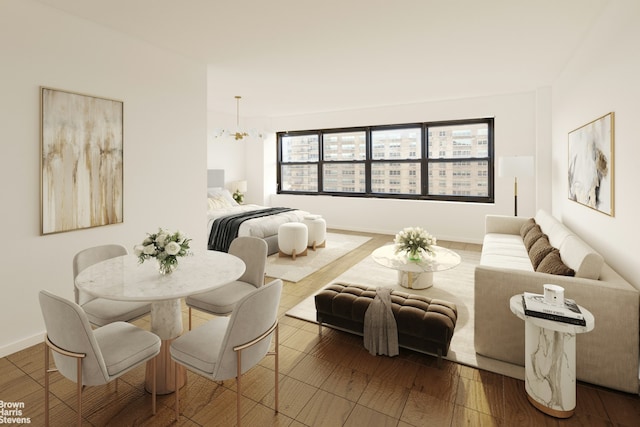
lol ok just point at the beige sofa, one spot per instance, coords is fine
(606, 356)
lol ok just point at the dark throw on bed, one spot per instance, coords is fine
(225, 228)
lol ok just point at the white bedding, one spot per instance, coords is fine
(257, 227)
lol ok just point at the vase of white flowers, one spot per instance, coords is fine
(415, 242)
(164, 246)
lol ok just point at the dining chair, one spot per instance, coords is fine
(91, 357)
(227, 347)
(102, 311)
(220, 301)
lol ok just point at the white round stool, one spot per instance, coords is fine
(317, 231)
(292, 239)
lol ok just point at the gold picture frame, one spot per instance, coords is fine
(591, 164)
(81, 161)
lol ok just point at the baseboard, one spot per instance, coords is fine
(22, 344)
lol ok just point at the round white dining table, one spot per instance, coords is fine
(123, 278)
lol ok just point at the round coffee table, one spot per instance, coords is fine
(416, 274)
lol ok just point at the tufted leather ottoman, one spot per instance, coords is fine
(424, 324)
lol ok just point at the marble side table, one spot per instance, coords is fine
(550, 360)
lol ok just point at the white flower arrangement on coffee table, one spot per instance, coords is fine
(415, 242)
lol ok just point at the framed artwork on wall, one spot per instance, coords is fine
(591, 170)
(81, 161)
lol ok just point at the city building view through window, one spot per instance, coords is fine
(442, 161)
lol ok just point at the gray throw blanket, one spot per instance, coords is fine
(380, 329)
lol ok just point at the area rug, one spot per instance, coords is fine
(455, 285)
(337, 245)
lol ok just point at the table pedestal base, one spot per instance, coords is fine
(550, 370)
(166, 371)
(410, 280)
(166, 322)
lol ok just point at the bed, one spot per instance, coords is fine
(226, 219)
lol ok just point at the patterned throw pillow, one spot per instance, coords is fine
(553, 264)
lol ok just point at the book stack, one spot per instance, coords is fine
(535, 306)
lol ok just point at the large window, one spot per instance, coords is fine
(440, 160)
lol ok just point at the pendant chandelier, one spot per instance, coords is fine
(238, 133)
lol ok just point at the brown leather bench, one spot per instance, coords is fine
(424, 324)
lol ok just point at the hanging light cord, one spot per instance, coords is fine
(238, 111)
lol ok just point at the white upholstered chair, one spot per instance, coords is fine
(227, 347)
(220, 301)
(91, 357)
(101, 311)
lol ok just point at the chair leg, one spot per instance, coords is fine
(276, 363)
(189, 318)
(154, 365)
(46, 385)
(238, 385)
(177, 392)
(79, 391)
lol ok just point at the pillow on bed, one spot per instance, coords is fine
(218, 202)
(214, 192)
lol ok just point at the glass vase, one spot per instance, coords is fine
(165, 269)
(414, 255)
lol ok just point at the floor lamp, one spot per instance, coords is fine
(515, 166)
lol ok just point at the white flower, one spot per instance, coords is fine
(161, 238)
(414, 240)
(138, 250)
(165, 247)
(172, 248)
(149, 249)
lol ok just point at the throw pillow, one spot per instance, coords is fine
(534, 234)
(527, 226)
(218, 202)
(553, 264)
(539, 250)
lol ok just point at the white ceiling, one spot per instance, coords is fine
(287, 57)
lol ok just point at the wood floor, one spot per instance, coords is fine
(331, 381)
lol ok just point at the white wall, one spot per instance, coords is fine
(241, 160)
(603, 77)
(164, 148)
(516, 132)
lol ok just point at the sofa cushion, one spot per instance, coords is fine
(539, 250)
(527, 226)
(554, 229)
(505, 251)
(582, 258)
(552, 264)
(530, 238)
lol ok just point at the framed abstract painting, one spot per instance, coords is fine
(591, 172)
(81, 161)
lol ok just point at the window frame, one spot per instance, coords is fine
(423, 161)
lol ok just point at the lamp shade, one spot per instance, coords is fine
(515, 166)
(241, 186)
